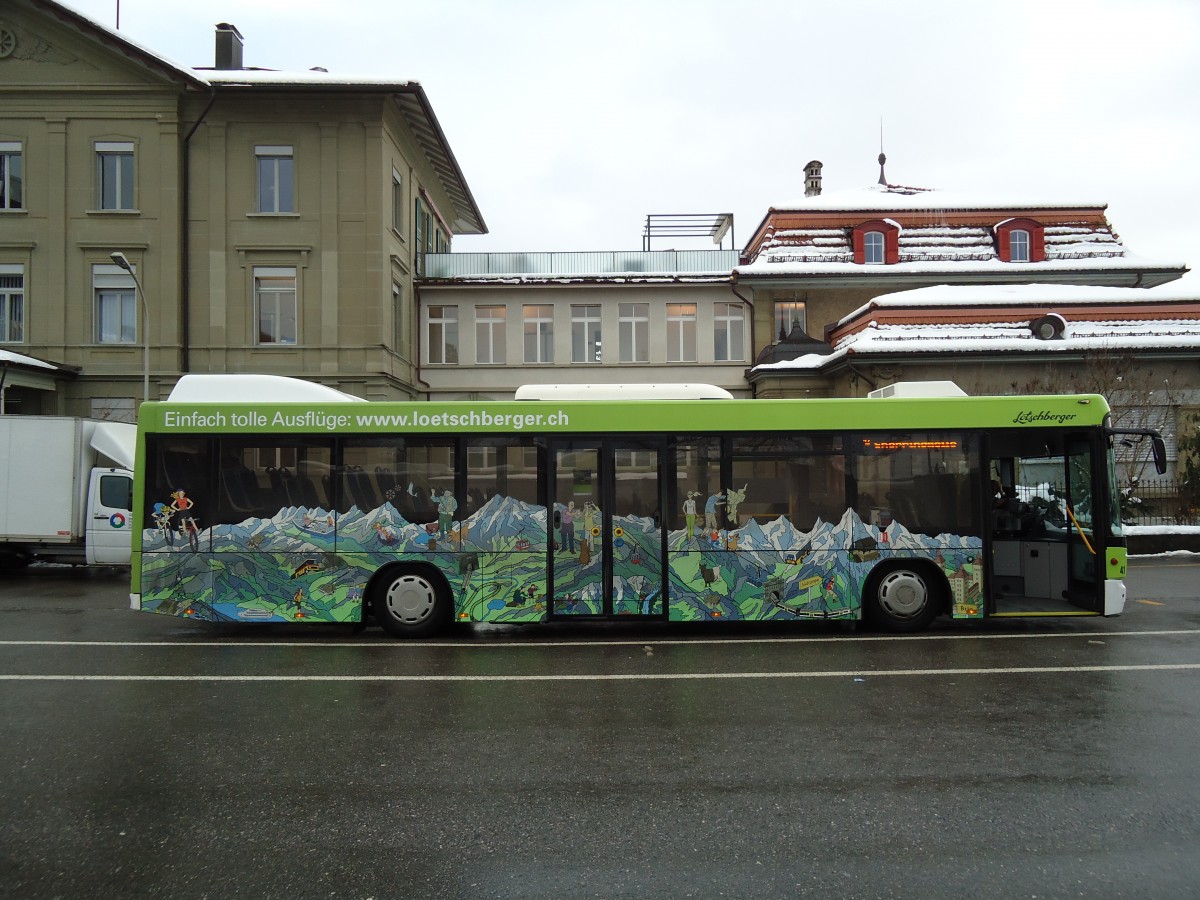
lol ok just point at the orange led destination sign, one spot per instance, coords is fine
(910, 445)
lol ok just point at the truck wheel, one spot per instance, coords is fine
(408, 603)
(901, 599)
(13, 560)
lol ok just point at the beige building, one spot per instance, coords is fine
(274, 220)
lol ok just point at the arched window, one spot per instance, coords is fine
(1018, 245)
(873, 245)
(1021, 240)
(876, 243)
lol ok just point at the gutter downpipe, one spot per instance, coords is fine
(753, 343)
(185, 256)
(417, 340)
(749, 304)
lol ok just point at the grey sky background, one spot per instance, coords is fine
(573, 120)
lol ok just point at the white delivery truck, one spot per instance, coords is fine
(66, 490)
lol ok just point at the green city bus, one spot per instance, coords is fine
(426, 514)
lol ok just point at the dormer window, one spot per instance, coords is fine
(876, 243)
(1018, 245)
(1020, 241)
(873, 248)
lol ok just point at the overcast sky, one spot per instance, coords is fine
(573, 120)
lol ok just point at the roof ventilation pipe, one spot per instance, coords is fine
(1050, 327)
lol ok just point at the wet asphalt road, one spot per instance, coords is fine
(151, 757)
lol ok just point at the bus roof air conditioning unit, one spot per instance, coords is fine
(919, 389)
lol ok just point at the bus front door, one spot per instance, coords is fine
(1085, 547)
(606, 529)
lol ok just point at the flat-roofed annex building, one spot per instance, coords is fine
(492, 322)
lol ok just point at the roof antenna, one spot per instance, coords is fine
(882, 157)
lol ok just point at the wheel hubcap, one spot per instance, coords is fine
(903, 595)
(410, 599)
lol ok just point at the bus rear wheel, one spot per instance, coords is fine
(410, 604)
(901, 599)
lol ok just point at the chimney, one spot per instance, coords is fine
(229, 47)
(812, 179)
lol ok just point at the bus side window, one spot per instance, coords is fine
(184, 464)
(240, 490)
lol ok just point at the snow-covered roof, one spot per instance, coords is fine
(307, 78)
(20, 359)
(764, 266)
(1008, 295)
(1079, 245)
(939, 232)
(898, 198)
(965, 339)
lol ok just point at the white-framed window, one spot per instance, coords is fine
(681, 332)
(873, 248)
(585, 333)
(114, 295)
(12, 304)
(729, 332)
(539, 332)
(397, 202)
(1018, 245)
(276, 178)
(633, 332)
(275, 305)
(441, 335)
(490, 335)
(115, 179)
(790, 314)
(12, 176)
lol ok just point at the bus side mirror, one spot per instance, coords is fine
(1159, 448)
(557, 519)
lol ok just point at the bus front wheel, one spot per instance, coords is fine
(409, 604)
(901, 599)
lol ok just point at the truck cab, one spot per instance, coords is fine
(109, 517)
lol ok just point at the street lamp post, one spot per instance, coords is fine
(123, 262)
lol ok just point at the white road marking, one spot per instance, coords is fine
(601, 642)
(866, 675)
